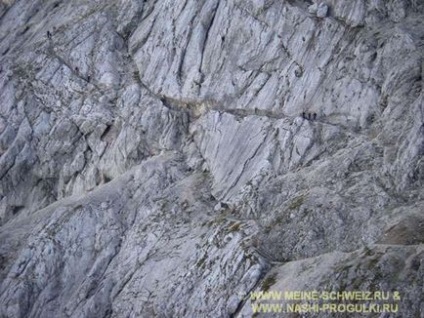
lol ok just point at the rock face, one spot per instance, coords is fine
(155, 161)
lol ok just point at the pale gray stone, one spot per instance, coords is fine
(322, 10)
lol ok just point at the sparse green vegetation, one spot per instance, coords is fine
(268, 282)
(279, 220)
(367, 251)
(297, 203)
(220, 219)
(235, 227)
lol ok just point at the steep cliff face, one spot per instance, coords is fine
(166, 158)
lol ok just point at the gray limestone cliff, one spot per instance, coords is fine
(168, 158)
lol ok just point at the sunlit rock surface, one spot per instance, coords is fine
(168, 158)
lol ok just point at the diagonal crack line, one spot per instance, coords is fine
(215, 9)
(246, 163)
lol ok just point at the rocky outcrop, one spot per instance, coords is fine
(155, 159)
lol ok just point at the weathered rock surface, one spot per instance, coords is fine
(165, 159)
